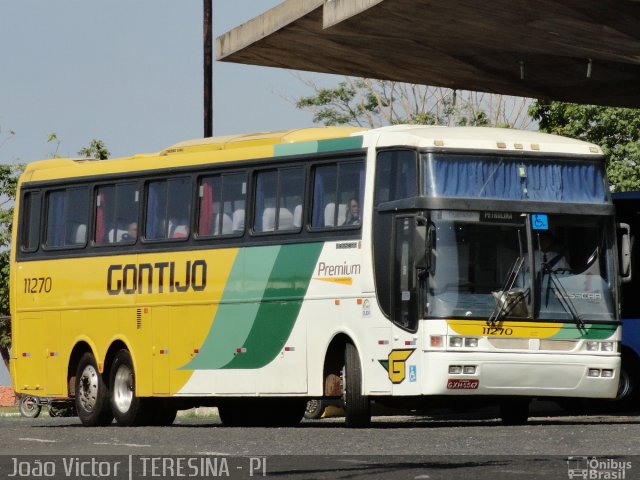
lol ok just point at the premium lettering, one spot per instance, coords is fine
(160, 277)
(338, 270)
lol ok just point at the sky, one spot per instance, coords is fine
(130, 74)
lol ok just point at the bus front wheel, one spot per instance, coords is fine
(357, 406)
(128, 409)
(92, 395)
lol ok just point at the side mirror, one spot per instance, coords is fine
(420, 244)
(625, 252)
(431, 254)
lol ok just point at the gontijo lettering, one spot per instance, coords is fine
(156, 277)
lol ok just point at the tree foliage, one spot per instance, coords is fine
(8, 182)
(616, 130)
(96, 150)
(373, 103)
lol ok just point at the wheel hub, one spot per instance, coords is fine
(88, 393)
(123, 389)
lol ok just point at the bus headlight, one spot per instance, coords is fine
(606, 346)
(593, 346)
(471, 342)
(459, 342)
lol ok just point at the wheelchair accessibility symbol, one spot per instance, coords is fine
(539, 221)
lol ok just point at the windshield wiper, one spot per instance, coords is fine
(563, 296)
(504, 302)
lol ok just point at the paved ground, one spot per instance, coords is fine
(402, 435)
(413, 447)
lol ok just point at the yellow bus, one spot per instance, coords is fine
(254, 272)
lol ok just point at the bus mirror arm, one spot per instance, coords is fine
(430, 253)
(420, 254)
(626, 245)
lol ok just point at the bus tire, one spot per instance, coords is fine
(128, 409)
(629, 388)
(92, 394)
(515, 411)
(357, 406)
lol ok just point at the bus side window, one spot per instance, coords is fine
(168, 209)
(116, 214)
(338, 193)
(30, 222)
(278, 194)
(396, 176)
(325, 179)
(67, 217)
(221, 205)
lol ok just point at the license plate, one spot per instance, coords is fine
(463, 384)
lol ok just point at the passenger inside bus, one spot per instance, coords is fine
(353, 213)
(178, 228)
(131, 233)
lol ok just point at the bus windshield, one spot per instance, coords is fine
(562, 273)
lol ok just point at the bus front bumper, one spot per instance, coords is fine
(548, 375)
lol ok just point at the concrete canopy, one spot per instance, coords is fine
(583, 51)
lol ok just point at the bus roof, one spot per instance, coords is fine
(260, 139)
(190, 152)
(482, 138)
(264, 145)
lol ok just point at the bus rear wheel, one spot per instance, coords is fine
(357, 406)
(128, 409)
(92, 395)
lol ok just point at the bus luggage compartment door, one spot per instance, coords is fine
(160, 350)
(30, 351)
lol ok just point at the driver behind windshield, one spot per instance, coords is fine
(550, 255)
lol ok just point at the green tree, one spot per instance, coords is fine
(8, 181)
(374, 103)
(96, 150)
(616, 130)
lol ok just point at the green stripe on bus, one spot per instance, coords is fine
(591, 332)
(238, 307)
(259, 307)
(301, 148)
(281, 305)
(348, 143)
(319, 146)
